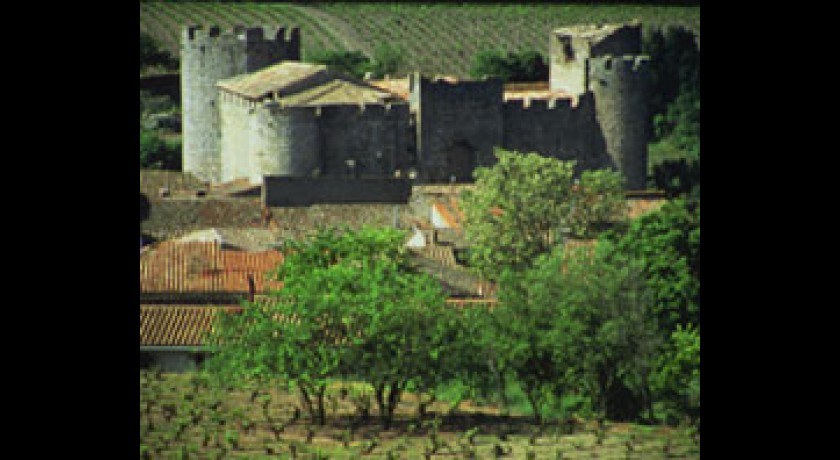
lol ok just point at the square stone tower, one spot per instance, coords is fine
(606, 62)
(571, 48)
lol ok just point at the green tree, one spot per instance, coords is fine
(527, 66)
(588, 321)
(351, 307)
(525, 340)
(387, 59)
(353, 63)
(526, 203)
(675, 65)
(668, 241)
(676, 381)
(152, 55)
(156, 153)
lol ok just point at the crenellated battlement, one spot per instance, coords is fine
(196, 34)
(539, 105)
(593, 109)
(620, 65)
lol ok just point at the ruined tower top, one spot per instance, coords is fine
(570, 49)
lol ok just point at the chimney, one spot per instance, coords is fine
(251, 288)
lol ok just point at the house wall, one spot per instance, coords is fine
(171, 361)
(304, 191)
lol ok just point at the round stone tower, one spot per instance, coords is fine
(620, 85)
(208, 56)
(285, 142)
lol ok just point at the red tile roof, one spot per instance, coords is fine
(177, 325)
(191, 267)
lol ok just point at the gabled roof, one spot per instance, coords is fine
(178, 325)
(204, 267)
(276, 78)
(301, 84)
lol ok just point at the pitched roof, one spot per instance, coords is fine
(191, 267)
(398, 86)
(276, 78)
(300, 84)
(178, 325)
(337, 92)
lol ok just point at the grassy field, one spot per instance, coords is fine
(181, 416)
(434, 38)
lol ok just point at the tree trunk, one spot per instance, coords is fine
(322, 411)
(393, 400)
(531, 392)
(307, 402)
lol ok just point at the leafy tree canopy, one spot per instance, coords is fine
(669, 243)
(579, 320)
(156, 153)
(526, 203)
(351, 307)
(526, 66)
(386, 60)
(152, 55)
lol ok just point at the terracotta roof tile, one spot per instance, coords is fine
(177, 325)
(204, 267)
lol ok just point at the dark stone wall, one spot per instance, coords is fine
(376, 138)
(282, 191)
(557, 130)
(458, 126)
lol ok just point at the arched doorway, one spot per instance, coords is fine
(460, 161)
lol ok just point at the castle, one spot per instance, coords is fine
(251, 110)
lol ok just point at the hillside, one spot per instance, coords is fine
(435, 38)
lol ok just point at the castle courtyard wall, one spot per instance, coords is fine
(377, 139)
(556, 128)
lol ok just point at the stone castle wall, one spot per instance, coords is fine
(620, 86)
(267, 139)
(375, 138)
(458, 125)
(208, 56)
(445, 131)
(557, 128)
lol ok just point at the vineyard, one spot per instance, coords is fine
(192, 416)
(434, 38)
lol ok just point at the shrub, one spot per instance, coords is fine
(156, 153)
(520, 67)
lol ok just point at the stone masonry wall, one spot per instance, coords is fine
(236, 121)
(557, 129)
(458, 126)
(302, 191)
(375, 137)
(620, 86)
(208, 56)
(284, 141)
